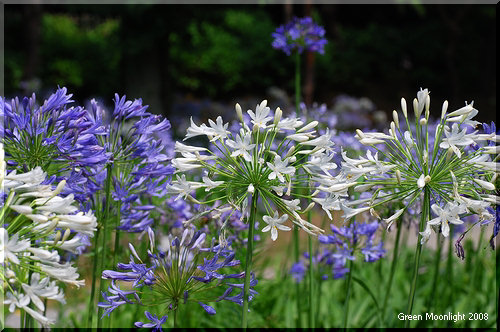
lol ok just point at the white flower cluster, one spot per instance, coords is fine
(279, 159)
(38, 222)
(453, 165)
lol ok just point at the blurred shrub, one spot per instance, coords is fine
(233, 53)
(79, 56)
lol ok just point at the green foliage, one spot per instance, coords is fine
(231, 52)
(79, 56)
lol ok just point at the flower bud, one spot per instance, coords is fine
(310, 125)
(393, 130)
(309, 207)
(415, 108)
(398, 176)
(57, 237)
(277, 116)
(239, 112)
(290, 151)
(423, 121)
(59, 188)
(485, 184)
(360, 133)
(67, 232)
(396, 118)
(251, 188)
(444, 109)
(404, 108)
(427, 106)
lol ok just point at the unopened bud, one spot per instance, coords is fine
(415, 108)
(239, 112)
(309, 207)
(290, 152)
(444, 109)
(427, 179)
(310, 125)
(57, 237)
(427, 106)
(360, 133)
(59, 188)
(398, 176)
(423, 121)
(393, 129)
(277, 116)
(66, 234)
(404, 108)
(396, 118)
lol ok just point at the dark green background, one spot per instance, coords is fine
(165, 53)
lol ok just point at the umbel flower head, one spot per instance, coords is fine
(300, 34)
(180, 270)
(453, 167)
(62, 139)
(278, 159)
(38, 224)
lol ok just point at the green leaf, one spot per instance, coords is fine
(365, 287)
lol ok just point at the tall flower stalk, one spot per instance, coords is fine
(450, 171)
(296, 36)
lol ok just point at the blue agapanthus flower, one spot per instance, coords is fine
(155, 323)
(176, 266)
(62, 139)
(298, 35)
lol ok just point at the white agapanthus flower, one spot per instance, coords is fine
(274, 223)
(276, 159)
(451, 167)
(38, 224)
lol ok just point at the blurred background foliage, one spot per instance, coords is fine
(167, 54)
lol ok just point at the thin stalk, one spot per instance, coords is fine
(449, 270)
(21, 322)
(296, 251)
(296, 228)
(297, 83)
(175, 316)
(94, 278)
(107, 205)
(393, 268)
(248, 263)
(348, 295)
(311, 283)
(423, 222)
(432, 298)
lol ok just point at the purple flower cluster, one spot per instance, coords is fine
(300, 34)
(346, 240)
(177, 266)
(140, 167)
(63, 140)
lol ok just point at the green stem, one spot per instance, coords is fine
(175, 317)
(248, 263)
(449, 270)
(311, 284)
(107, 205)
(94, 278)
(348, 295)
(393, 268)
(431, 298)
(297, 83)
(423, 222)
(297, 284)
